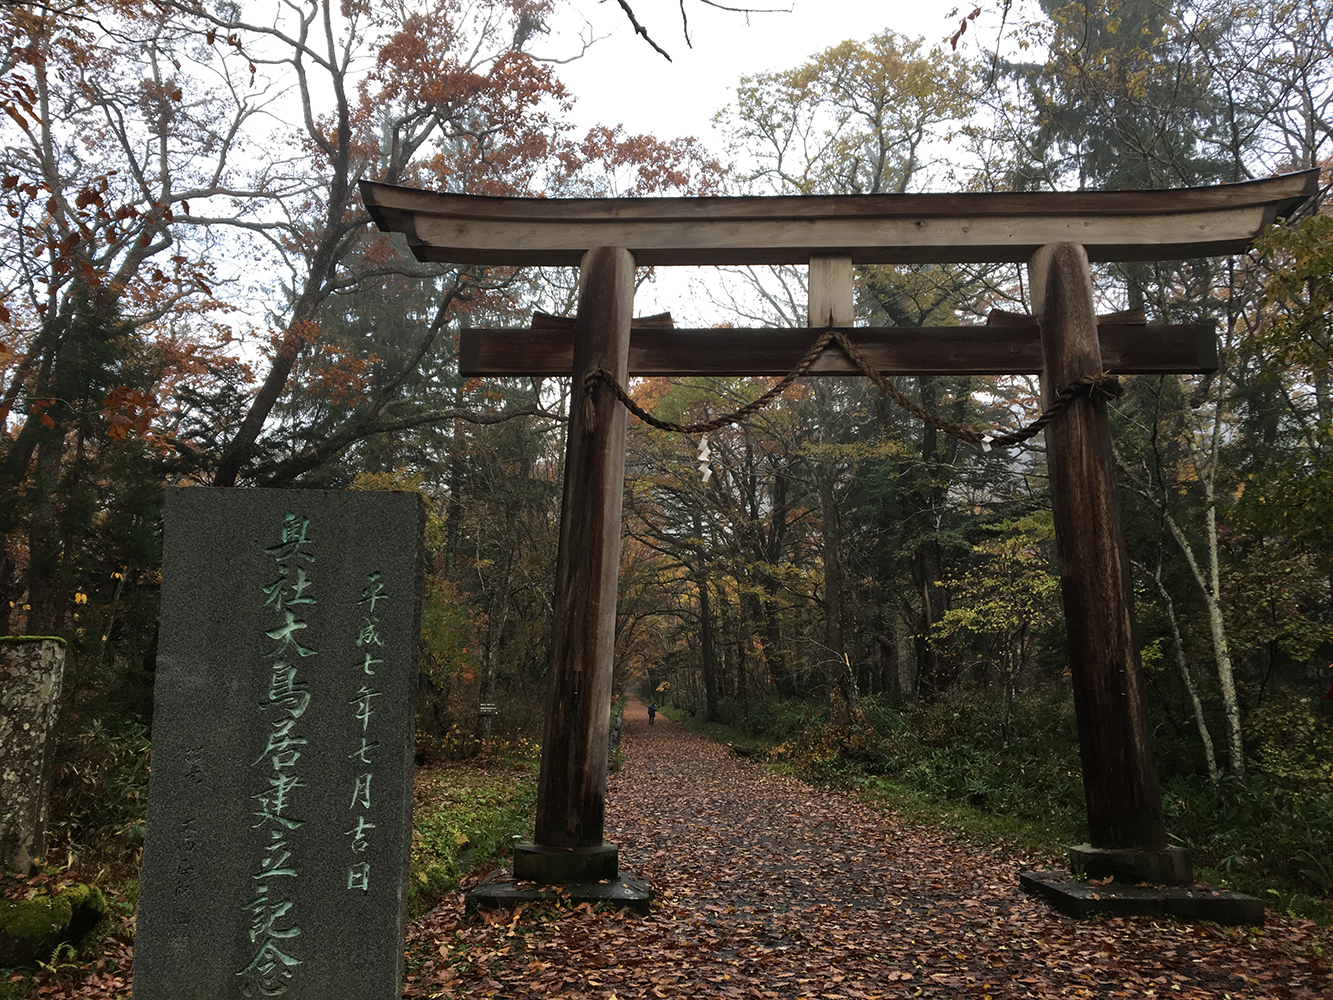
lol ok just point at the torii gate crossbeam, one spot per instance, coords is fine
(1056, 234)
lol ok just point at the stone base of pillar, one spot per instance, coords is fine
(1079, 898)
(566, 865)
(575, 875)
(1171, 866)
(501, 890)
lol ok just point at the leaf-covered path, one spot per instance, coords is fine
(768, 887)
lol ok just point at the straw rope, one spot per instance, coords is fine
(1103, 382)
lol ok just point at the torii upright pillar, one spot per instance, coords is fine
(1127, 834)
(571, 794)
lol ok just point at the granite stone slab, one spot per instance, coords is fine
(280, 799)
(502, 890)
(1079, 898)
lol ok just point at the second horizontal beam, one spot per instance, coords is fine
(1127, 349)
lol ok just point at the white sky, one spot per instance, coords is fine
(623, 81)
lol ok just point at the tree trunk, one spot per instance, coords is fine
(1205, 737)
(927, 572)
(783, 680)
(708, 650)
(47, 593)
(833, 612)
(31, 672)
(921, 501)
(1209, 586)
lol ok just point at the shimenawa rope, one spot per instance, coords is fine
(1103, 382)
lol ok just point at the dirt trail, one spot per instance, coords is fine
(768, 887)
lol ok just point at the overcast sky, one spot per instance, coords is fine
(623, 81)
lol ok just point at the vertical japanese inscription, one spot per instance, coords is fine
(369, 646)
(187, 840)
(273, 926)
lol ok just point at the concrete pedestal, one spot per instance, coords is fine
(1171, 866)
(501, 890)
(1079, 898)
(566, 865)
(578, 875)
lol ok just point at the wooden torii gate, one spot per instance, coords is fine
(1056, 234)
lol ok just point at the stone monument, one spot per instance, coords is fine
(280, 800)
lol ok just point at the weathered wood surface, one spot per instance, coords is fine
(829, 292)
(1120, 782)
(1126, 349)
(870, 229)
(571, 791)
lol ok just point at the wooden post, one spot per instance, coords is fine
(571, 791)
(1120, 783)
(829, 292)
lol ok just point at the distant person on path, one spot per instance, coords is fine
(652, 714)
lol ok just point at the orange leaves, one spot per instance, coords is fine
(127, 411)
(88, 196)
(339, 374)
(38, 409)
(10, 110)
(639, 165)
(287, 344)
(769, 888)
(17, 186)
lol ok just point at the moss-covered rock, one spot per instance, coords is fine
(32, 929)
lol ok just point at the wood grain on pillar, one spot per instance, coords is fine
(829, 292)
(571, 790)
(1120, 783)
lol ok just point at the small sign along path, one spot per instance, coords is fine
(770, 888)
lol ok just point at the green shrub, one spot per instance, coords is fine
(1258, 836)
(467, 815)
(99, 797)
(1292, 744)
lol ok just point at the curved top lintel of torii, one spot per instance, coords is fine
(869, 229)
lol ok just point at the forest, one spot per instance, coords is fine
(192, 294)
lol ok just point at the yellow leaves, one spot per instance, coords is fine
(883, 94)
(1011, 589)
(1183, 473)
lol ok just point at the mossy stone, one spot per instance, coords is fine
(32, 929)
